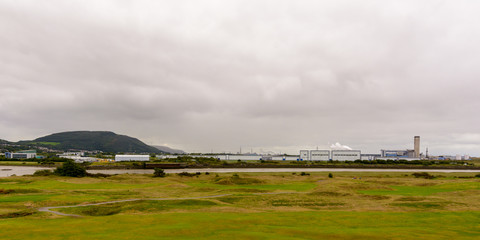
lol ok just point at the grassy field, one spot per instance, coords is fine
(253, 206)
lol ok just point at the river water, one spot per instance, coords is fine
(6, 171)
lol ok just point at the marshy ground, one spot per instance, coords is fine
(247, 205)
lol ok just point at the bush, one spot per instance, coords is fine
(304, 174)
(71, 169)
(186, 174)
(6, 191)
(98, 175)
(478, 175)
(423, 175)
(45, 172)
(158, 172)
(330, 175)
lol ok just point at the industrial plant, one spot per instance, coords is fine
(394, 154)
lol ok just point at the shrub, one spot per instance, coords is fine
(423, 175)
(304, 174)
(158, 172)
(71, 169)
(45, 172)
(186, 174)
(478, 175)
(6, 191)
(98, 175)
(330, 175)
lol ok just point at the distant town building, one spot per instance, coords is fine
(120, 158)
(21, 154)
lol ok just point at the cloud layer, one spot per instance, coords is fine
(270, 75)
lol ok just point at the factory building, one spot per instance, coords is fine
(120, 158)
(346, 155)
(416, 146)
(319, 155)
(408, 153)
(404, 154)
(325, 155)
(22, 154)
(304, 155)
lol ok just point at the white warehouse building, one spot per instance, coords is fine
(120, 158)
(346, 155)
(325, 155)
(319, 155)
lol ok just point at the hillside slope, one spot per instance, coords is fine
(168, 150)
(96, 140)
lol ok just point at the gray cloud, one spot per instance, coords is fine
(276, 75)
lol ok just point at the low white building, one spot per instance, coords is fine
(22, 154)
(120, 158)
(346, 155)
(319, 155)
(304, 155)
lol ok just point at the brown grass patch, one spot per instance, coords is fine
(410, 199)
(330, 194)
(375, 197)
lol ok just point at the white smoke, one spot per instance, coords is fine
(338, 146)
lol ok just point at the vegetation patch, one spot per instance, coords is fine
(423, 175)
(302, 203)
(237, 180)
(410, 199)
(26, 198)
(375, 197)
(45, 172)
(146, 206)
(16, 214)
(424, 190)
(422, 205)
(246, 190)
(330, 194)
(6, 191)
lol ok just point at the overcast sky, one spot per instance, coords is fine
(269, 75)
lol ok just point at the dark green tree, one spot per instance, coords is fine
(71, 169)
(158, 172)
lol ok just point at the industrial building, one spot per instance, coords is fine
(319, 155)
(21, 154)
(120, 158)
(408, 154)
(346, 155)
(304, 155)
(325, 155)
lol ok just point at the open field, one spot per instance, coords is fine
(249, 205)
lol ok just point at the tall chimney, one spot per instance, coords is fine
(416, 146)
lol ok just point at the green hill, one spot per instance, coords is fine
(95, 140)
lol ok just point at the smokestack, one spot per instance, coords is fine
(416, 146)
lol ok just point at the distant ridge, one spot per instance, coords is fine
(95, 140)
(168, 150)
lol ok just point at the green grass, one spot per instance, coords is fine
(140, 206)
(47, 143)
(425, 190)
(267, 225)
(378, 206)
(55, 184)
(26, 198)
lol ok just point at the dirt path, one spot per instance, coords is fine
(49, 209)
